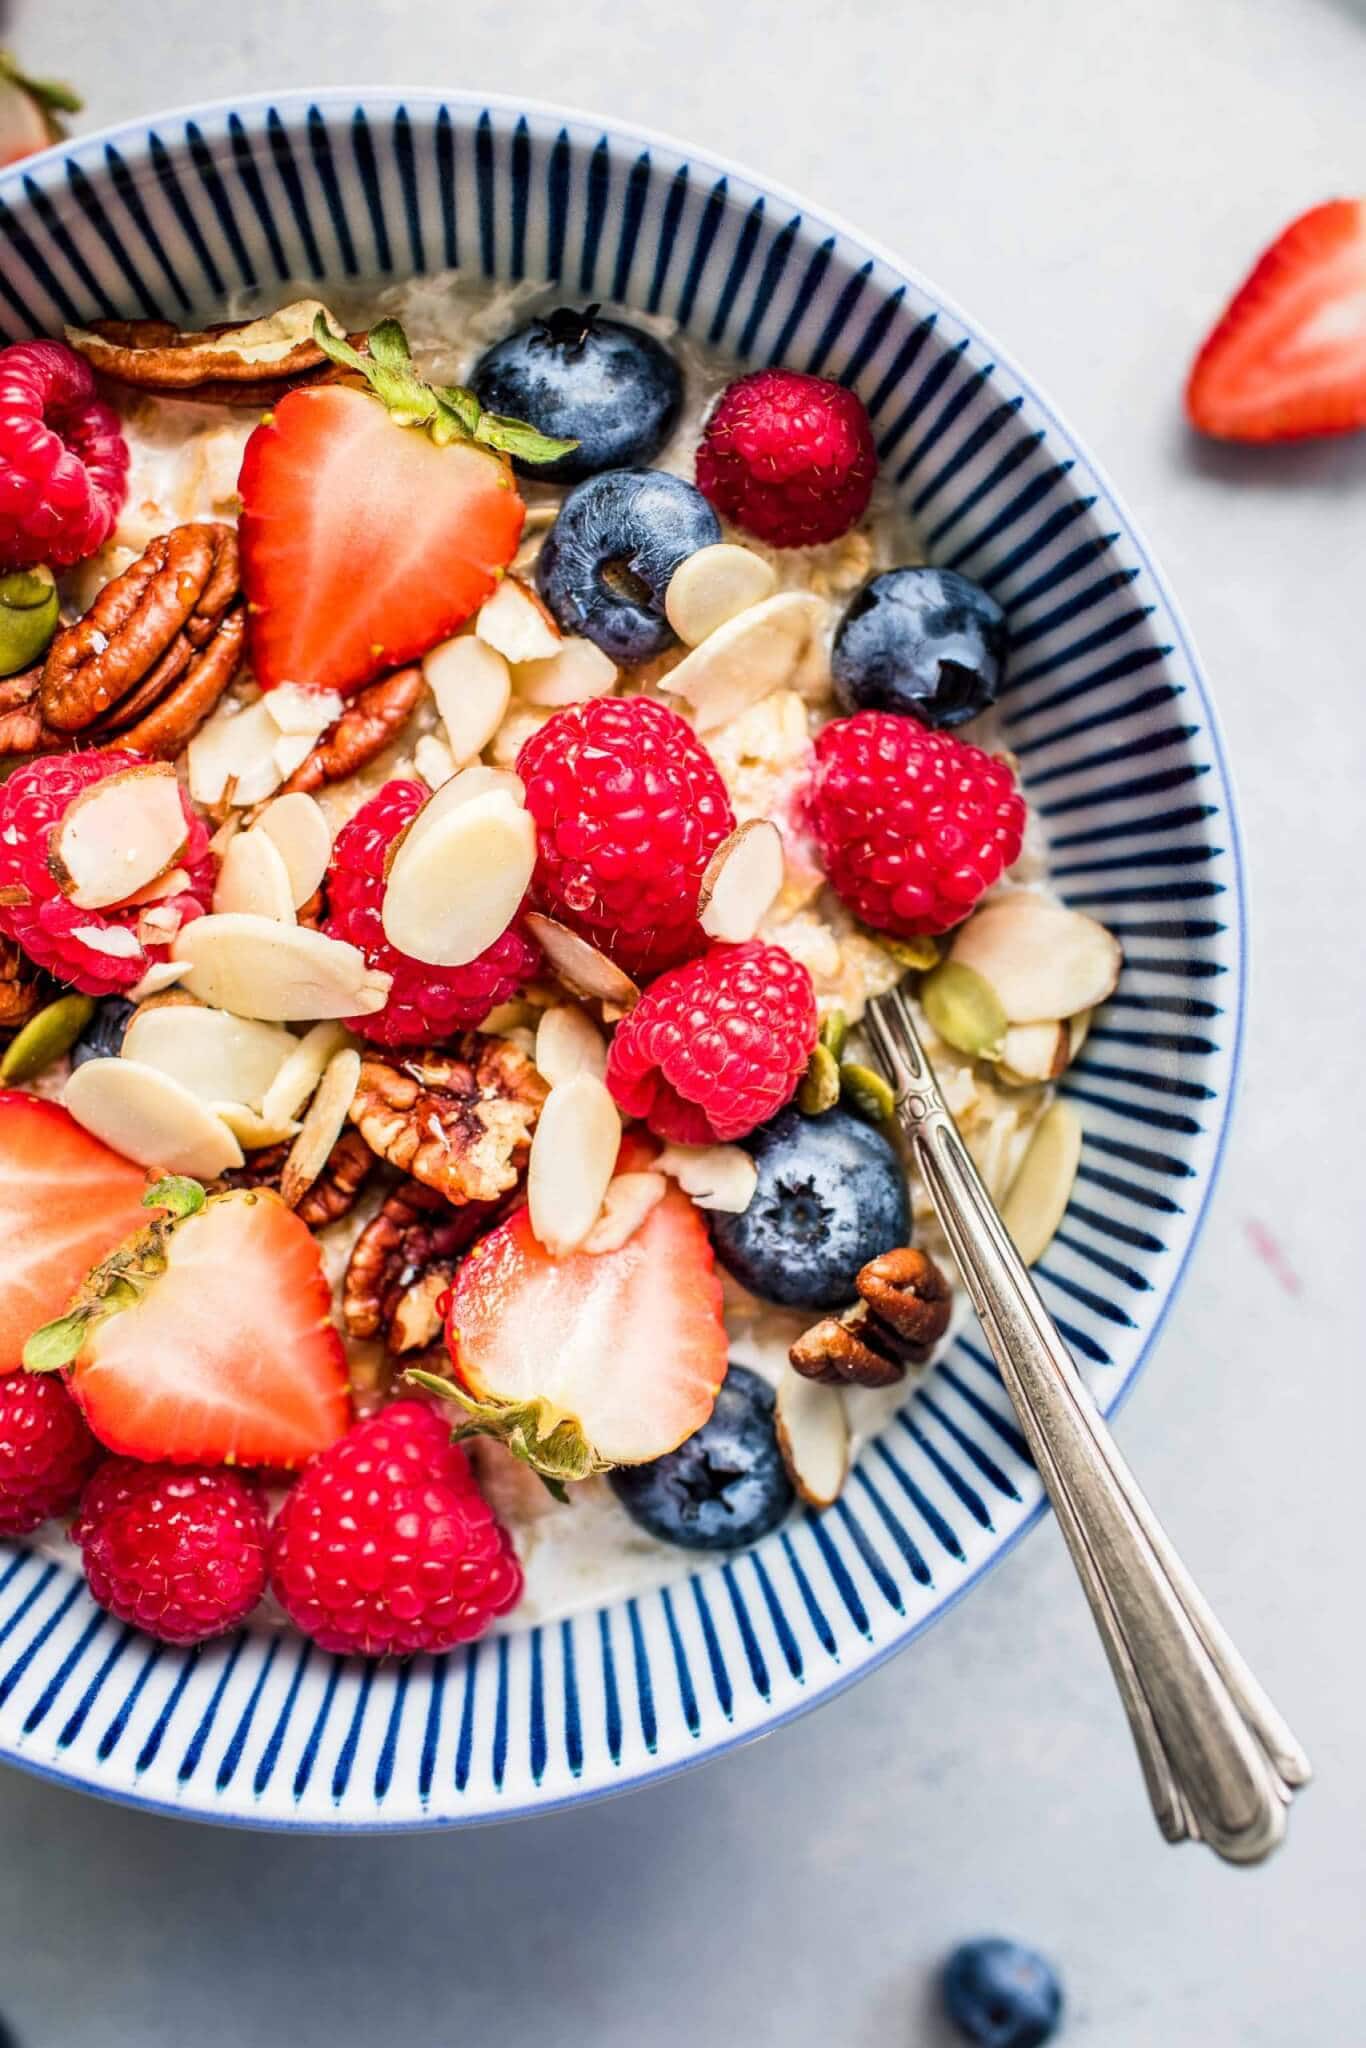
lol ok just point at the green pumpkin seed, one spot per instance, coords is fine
(28, 618)
(964, 1010)
(866, 1093)
(46, 1037)
(819, 1087)
(915, 955)
(834, 1031)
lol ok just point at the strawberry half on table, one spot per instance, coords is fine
(206, 1338)
(377, 516)
(1288, 358)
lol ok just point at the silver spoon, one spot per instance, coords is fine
(1221, 1765)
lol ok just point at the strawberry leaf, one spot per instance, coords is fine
(51, 94)
(176, 1193)
(57, 1344)
(557, 1454)
(515, 437)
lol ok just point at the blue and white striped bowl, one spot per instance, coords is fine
(1121, 755)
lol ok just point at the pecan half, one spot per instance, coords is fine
(18, 986)
(375, 716)
(403, 1262)
(162, 638)
(459, 1120)
(22, 730)
(237, 362)
(902, 1312)
(333, 1194)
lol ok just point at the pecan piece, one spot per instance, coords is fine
(156, 626)
(333, 1194)
(18, 986)
(902, 1312)
(236, 362)
(374, 717)
(459, 1120)
(22, 730)
(402, 1264)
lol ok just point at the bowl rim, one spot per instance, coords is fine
(295, 102)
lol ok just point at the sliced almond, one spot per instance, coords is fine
(812, 1428)
(741, 881)
(295, 708)
(517, 624)
(568, 1042)
(433, 761)
(578, 671)
(290, 751)
(720, 1177)
(118, 836)
(628, 1201)
(150, 1118)
(299, 830)
(573, 1152)
(760, 651)
(236, 746)
(1034, 1052)
(713, 587)
(114, 941)
(284, 973)
(581, 967)
(322, 1127)
(254, 878)
(1043, 960)
(456, 886)
(172, 883)
(301, 1072)
(472, 687)
(161, 975)
(1037, 1197)
(476, 780)
(1078, 1031)
(217, 1056)
(252, 1131)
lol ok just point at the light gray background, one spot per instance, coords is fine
(1089, 180)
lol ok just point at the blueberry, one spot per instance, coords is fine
(831, 1195)
(103, 1035)
(1001, 1995)
(923, 641)
(611, 388)
(608, 559)
(725, 1486)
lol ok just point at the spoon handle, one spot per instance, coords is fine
(1220, 1763)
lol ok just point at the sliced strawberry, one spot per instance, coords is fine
(208, 1340)
(65, 1201)
(592, 1360)
(1288, 358)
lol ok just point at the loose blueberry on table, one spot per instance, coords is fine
(1001, 1995)
(432, 955)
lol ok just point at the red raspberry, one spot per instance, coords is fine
(789, 458)
(47, 924)
(63, 458)
(46, 1451)
(716, 1047)
(425, 1002)
(386, 1544)
(629, 807)
(913, 826)
(177, 1550)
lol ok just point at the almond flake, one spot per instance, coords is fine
(1034, 1052)
(252, 1130)
(629, 1199)
(115, 940)
(301, 834)
(456, 885)
(301, 1072)
(173, 883)
(159, 924)
(568, 1042)
(578, 671)
(119, 835)
(720, 1177)
(294, 708)
(517, 624)
(285, 973)
(573, 1152)
(254, 878)
(150, 1118)
(217, 1056)
(322, 1127)
(290, 751)
(812, 1428)
(581, 967)
(434, 761)
(1037, 1198)
(472, 688)
(476, 780)
(160, 976)
(1043, 960)
(714, 586)
(762, 650)
(741, 881)
(236, 746)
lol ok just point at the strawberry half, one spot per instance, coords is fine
(592, 1360)
(1288, 358)
(65, 1200)
(374, 522)
(207, 1338)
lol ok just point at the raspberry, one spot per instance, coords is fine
(789, 458)
(47, 924)
(63, 458)
(716, 1047)
(386, 1544)
(178, 1551)
(913, 826)
(46, 1451)
(425, 1003)
(629, 807)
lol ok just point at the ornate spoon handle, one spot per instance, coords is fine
(1220, 1763)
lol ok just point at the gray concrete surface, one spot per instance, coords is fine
(1088, 179)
